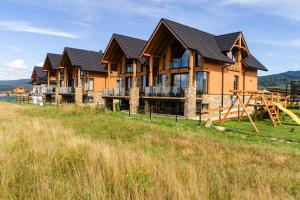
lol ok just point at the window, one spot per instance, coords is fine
(163, 80)
(202, 82)
(180, 80)
(235, 83)
(128, 83)
(81, 72)
(129, 66)
(89, 86)
(179, 56)
(232, 55)
(198, 60)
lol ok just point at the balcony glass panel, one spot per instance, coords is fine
(201, 81)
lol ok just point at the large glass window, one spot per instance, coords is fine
(201, 81)
(90, 84)
(198, 60)
(179, 56)
(163, 80)
(180, 80)
(129, 66)
(128, 83)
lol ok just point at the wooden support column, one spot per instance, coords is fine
(134, 73)
(48, 78)
(108, 74)
(65, 76)
(78, 77)
(191, 69)
(58, 78)
(151, 71)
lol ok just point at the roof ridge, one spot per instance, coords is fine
(82, 49)
(229, 33)
(164, 19)
(117, 34)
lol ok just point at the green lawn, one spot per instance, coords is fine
(86, 120)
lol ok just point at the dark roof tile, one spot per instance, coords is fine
(226, 41)
(131, 46)
(87, 60)
(204, 43)
(54, 59)
(252, 62)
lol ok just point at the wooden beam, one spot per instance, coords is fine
(151, 71)
(108, 73)
(191, 68)
(48, 78)
(78, 77)
(134, 74)
(65, 76)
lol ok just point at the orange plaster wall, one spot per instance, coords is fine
(215, 79)
(100, 82)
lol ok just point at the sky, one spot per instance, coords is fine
(29, 28)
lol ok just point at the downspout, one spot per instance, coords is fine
(244, 85)
(222, 100)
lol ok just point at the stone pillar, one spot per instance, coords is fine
(134, 98)
(57, 96)
(190, 102)
(78, 95)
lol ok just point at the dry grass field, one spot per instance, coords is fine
(77, 153)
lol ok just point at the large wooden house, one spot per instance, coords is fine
(38, 80)
(122, 55)
(184, 68)
(51, 68)
(84, 77)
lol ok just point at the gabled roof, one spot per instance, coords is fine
(54, 59)
(131, 46)
(252, 62)
(86, 60)
(226, 41)
(40, 73)
(204, 43)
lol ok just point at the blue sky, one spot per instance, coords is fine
(29, 28)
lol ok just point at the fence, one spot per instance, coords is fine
(24, 99)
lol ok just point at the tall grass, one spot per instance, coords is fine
(44, 159)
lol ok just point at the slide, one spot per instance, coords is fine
(290, 113)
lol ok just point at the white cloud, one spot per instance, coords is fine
(21, 26)
(285, 8)
(16, 69)
(40, 64)
(17, 64)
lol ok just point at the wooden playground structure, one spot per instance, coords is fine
(258, 100)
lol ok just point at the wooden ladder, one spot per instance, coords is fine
(272, 110)
(274, 114)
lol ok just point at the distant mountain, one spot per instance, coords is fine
(12, 84)
(278, 79)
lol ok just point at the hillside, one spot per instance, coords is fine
(11, 84)
(278, 79)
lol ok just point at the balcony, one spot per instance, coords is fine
(115, 92)
(48, 90)
(66, 90)
(164, 92)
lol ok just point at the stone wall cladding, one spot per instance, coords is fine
(58, 97)
(134, 97)
(78, 96)
(97, 96)
(190, 103)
